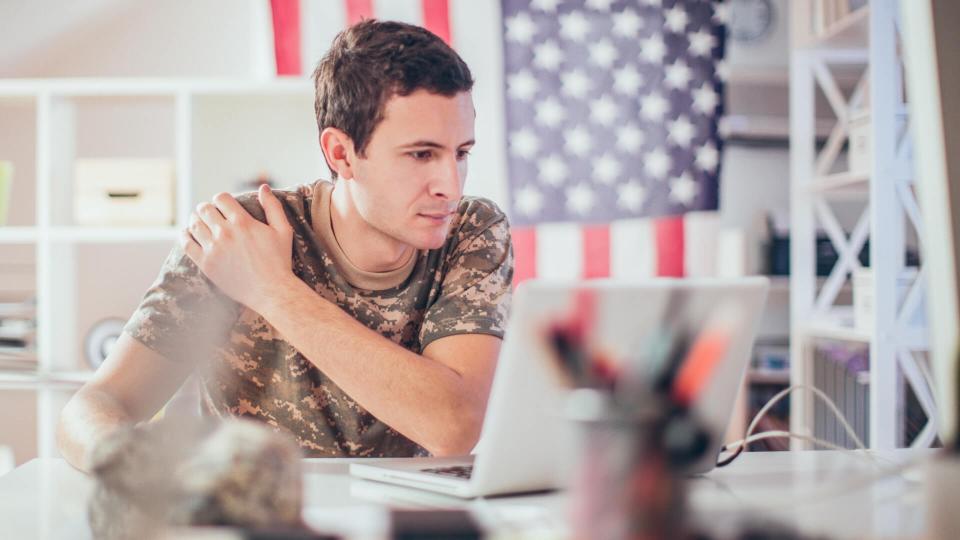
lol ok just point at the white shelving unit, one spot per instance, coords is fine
(212, 146)
(865, 40)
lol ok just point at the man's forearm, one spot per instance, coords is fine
(88, 417)
(421, 398)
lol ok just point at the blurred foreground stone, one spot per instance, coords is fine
(194, 472)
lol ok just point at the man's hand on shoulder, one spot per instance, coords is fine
(247, 259)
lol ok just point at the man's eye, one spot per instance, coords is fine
(422, 155)
(462, 154)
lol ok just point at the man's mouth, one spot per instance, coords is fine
(436, 216)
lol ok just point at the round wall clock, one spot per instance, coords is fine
(101, 339)
(751, 20)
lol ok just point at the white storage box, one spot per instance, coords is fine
(124, 192)
(863, 298)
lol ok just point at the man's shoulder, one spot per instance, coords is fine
(477, 214)
(295, 199)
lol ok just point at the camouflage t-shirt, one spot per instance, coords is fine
(246, 368)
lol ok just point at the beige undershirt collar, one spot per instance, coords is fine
(362, 279)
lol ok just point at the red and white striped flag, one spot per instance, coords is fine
(683, 245)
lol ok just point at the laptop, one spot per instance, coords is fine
(527, 444)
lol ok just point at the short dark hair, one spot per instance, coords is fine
(372, 61)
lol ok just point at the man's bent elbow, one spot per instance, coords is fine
(461, 433)
(87, 417)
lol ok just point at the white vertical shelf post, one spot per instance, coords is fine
(56, 264)
(802, 225)
(887, 245)
(183, 144)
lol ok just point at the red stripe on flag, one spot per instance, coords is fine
(596, 251)
(436, 18)
(524, 253)
(357, 10)
(669, 234)
(286, 35)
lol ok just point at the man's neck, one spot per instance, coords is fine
(367, 248)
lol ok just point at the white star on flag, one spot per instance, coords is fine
(606, 169)
(631, 196)
(603, 111)
(553, 170)
(705, 99)
(627, 23)
(702, 43)
(580, 198)
(529, 201)
(677, 19)
(678, 74)
(653, 107)
(577, 141)
(525, 144)
(682, 131)
(550, 112)
(603, 53)
(627, 80)
(683, 190)
(547, 55)
(629, 138)
(708, 158)
(574, 26)
(522, 85)
(575, 83)
(653, 49)
(721, 13)
(521, 28)
(658, 164)
(723, 70)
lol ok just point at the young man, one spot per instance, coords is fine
(364, 315)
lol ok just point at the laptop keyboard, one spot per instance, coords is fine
(459, 471)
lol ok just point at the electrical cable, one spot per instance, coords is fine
(740, 446)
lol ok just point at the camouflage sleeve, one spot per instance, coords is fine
(476, 291)
(182, 315)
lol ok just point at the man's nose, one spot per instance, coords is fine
(447, 182)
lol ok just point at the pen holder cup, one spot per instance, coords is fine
(622, 485)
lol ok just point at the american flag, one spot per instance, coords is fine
(596, 124)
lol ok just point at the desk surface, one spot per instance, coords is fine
(836, 494)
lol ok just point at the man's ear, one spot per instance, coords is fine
(338, 150)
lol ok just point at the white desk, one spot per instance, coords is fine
(835, 494)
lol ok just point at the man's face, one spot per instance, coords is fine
(410, 181)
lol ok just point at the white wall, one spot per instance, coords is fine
(137, 38)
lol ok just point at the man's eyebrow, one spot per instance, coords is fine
(433, 144)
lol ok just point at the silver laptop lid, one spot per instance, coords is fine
(527, 444)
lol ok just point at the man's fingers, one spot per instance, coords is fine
(211, 217)
(229, 207)
(200, 232)
(190, 246)
(273, 209)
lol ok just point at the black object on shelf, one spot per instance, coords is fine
(778, 255)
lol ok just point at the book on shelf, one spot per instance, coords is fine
(18, 310)
(18, 330)
(13, 364)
